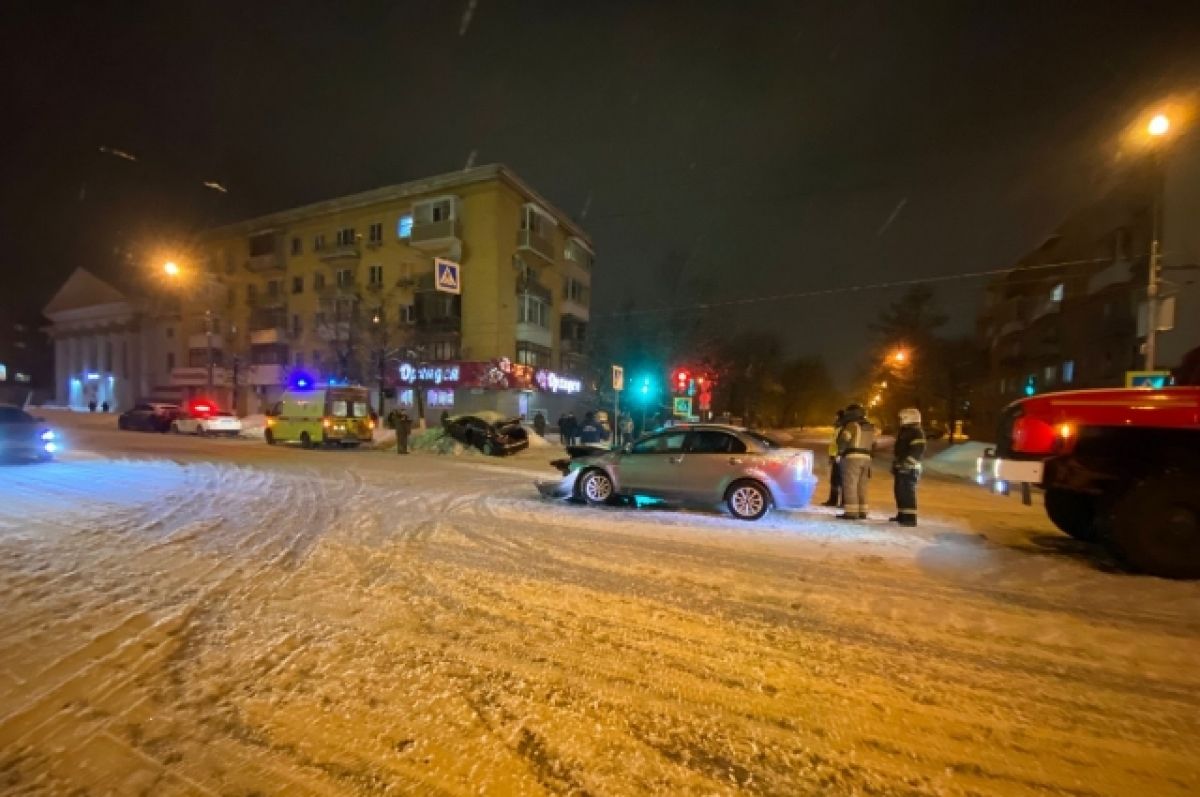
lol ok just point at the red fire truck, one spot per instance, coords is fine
(1117, 465)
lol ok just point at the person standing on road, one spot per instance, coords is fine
(906, 465)
(856, 441)
(590, 432)
(539, 424)
(626, 429)
(403, 426)
(835, 468)
(572, 429)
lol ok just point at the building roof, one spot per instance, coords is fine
(426, 185)
(83, 289)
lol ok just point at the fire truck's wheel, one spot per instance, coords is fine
(1156, 526)
(1073, 513)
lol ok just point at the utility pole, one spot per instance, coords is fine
(208, 338)
(1152, 281)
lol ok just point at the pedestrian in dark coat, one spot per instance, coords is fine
(403, 430)
(835, 467)
(906, 465)
(539, 424)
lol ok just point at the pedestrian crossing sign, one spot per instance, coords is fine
(446, 277)
(683, 406)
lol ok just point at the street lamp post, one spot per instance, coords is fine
(1158, 127)
(172, 269)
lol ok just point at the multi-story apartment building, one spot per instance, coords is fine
(344, 289)
(1073, 312)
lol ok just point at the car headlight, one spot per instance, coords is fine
(48, 435)
(49, 448)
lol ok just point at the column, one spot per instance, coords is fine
(62, 385)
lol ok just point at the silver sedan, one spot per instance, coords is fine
(696, 464)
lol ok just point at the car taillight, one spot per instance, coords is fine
(1033, 436)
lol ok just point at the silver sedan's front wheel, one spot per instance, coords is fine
(747, 500)
(596, 487)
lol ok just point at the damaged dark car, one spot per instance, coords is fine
(492, 434)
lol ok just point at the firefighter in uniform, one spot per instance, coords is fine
(856, 441)
(835, 469)
(906, 465)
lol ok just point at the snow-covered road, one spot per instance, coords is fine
(220, 617)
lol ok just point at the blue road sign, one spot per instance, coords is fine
(446, 276)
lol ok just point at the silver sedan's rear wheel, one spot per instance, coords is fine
(747, 500)
(596, 487)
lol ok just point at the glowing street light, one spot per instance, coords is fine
(1159, 125)
(171, 268)
(898, 357)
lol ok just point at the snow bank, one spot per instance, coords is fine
(957, 460)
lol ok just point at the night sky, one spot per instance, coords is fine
(781, 147)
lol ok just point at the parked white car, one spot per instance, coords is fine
(207, 424)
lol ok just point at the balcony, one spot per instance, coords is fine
(576, 346)
(537, 243)
(574, 307)
(533, 287)
(535, 334)
(198, 377)
(199, 340)
(267, 301)
(332, 290)
(434, 235)
(266, 374)
(439, 324)
(267, 336)
(334, 254)
(260, 264)
(334, 330)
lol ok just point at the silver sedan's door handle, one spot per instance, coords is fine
(735, 460)
(675, 460)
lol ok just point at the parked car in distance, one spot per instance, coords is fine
(148, 417)
(204, 419)
(22, 436)
(490, 432)
(695, 464)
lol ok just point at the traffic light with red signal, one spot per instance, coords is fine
(682, 377)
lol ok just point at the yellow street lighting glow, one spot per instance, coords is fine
(171, 268)
(1159, 125)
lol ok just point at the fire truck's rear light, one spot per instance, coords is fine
(1066, 431)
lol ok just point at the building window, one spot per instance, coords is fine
(444, 350)
(297, 284)
(170, 332)
(297, 246)
(404, 226)
(345, 277)
(576, 252)
(318, 242)
(574, 291)
(375, 233)
(1068, 372)
(318, 281)
(1049, 374)
(532, 310)
(297, 327)
(345, 236)
(1056, 293)
(170, 360)
(407, 314)
(298, 359)
(317, 357)
(531, 354)
(434, 210)
(251, 292)
(274, 287)
(531, 219)
(375, 275)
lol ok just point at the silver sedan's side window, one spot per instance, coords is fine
(708, 441)
(661, 443)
